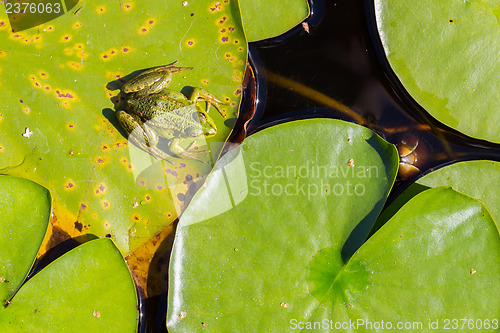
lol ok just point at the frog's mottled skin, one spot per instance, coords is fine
(154, 111)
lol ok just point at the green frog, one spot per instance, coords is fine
(153, 111)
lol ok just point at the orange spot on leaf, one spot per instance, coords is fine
(70, 185)
(100, 161)
(65, 38)
(75, 65)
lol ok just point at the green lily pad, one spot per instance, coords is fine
(21, 230)
(243, 245)
(478, 179)
(89, 289)
(275, 262)
(266, 19)
(425, 265)
(60, 83)
(445, 53)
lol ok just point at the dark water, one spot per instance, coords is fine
(342, 59)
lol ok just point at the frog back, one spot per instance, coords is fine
(176, 122)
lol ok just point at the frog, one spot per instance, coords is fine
(153, 111)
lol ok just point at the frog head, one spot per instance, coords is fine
(205, 125)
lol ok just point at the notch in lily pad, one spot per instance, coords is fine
(88, 288)
(249, 258)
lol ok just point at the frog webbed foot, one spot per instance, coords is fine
(189, 152)
(200, 94)
(139, 141)
(159, 154)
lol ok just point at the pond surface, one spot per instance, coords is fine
(341, 60)
(337, 68)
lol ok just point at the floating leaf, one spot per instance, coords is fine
(275, 261)
(478, 179)
(244, 243)
(89, 289)
(445, 53)
(25, 213)
(60, 84)
(426, 264)
(260, 17)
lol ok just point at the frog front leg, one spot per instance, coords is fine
(175, 148)
(140, 134)
(200, 94)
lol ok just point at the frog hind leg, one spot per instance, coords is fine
(176, 149)
(158, 83)
(200, 94)
(153, 80)
(140, 134)
(167, 68)
(153, 84)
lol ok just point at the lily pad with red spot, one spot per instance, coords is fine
(68, 73)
